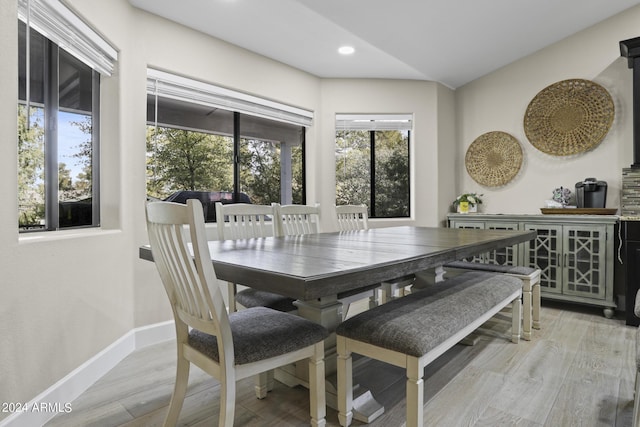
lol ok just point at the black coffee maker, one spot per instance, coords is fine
(591, 193)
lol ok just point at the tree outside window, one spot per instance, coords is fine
(56, 140)
(187, 160)
(372, 168)
(192, 148)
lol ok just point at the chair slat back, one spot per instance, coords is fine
(189, 280)
(245, 221)
(352, 217)
(296, 220)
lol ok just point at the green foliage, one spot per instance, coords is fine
(189, 160)
(30, 167)
(84, 179)
(260, 171)
(391, 171)
(297, 172)
(353, 168)
(65, 182)
(184, 160)
(392, 174)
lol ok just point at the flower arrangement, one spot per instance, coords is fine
(471, 198)
(467, 202)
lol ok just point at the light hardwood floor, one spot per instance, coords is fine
(577, 371)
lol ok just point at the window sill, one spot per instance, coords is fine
(394, 219)
(49, 236)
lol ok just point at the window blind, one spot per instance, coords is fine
(172, 86)
(63, 27)
(374, 121)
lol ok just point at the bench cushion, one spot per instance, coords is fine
(496, 268)
(419, 322)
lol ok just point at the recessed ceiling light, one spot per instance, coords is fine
(346, 50)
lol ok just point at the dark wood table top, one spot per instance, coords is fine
(317, 265)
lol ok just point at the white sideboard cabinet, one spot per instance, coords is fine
(575, 253)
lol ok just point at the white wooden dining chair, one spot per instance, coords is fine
(289, 220)
(229, 347)
(246, 221)
(296, 220)
(354, 218)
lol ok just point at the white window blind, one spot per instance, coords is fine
(172, 86)
(56, 22)
(374, 121)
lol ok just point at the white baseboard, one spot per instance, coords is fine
(57, 398)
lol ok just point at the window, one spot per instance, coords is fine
(214, 144)
(372, 163)
(58, 117)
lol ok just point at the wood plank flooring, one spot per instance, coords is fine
(577, 371)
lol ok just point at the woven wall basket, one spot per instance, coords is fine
(494, 158)
(569, 117)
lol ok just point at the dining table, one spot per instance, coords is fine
(315, 269)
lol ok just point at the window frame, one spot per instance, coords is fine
(373, 123)
(161, 84)
(63, 29)
(51, 109)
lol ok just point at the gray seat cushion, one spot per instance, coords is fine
(260, 333)
(417, 323)
(512, 269)
(255, 298)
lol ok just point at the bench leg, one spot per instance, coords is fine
(395, 289)
(515, 321)
(374, 300)
(526, 309)
(415, 392)
(263, 383)
(386, 292)
(536, 305)
(345, 382)
(317, 394)
(636, 401)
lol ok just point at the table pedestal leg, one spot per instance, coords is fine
(327, 311)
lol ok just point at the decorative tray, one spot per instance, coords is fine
(579, 211)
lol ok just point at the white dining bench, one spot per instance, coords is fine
(412, 331)
(530, 288)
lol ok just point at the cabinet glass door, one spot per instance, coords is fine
(503, 256)
(544, 252)
(584, 261)
(474, 225)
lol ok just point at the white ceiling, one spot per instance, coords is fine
(449, 41)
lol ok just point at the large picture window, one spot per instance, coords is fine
(58, 117)
(236, 152)
(372, 163)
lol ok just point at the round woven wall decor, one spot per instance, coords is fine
(569, 117)
(494, 158)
